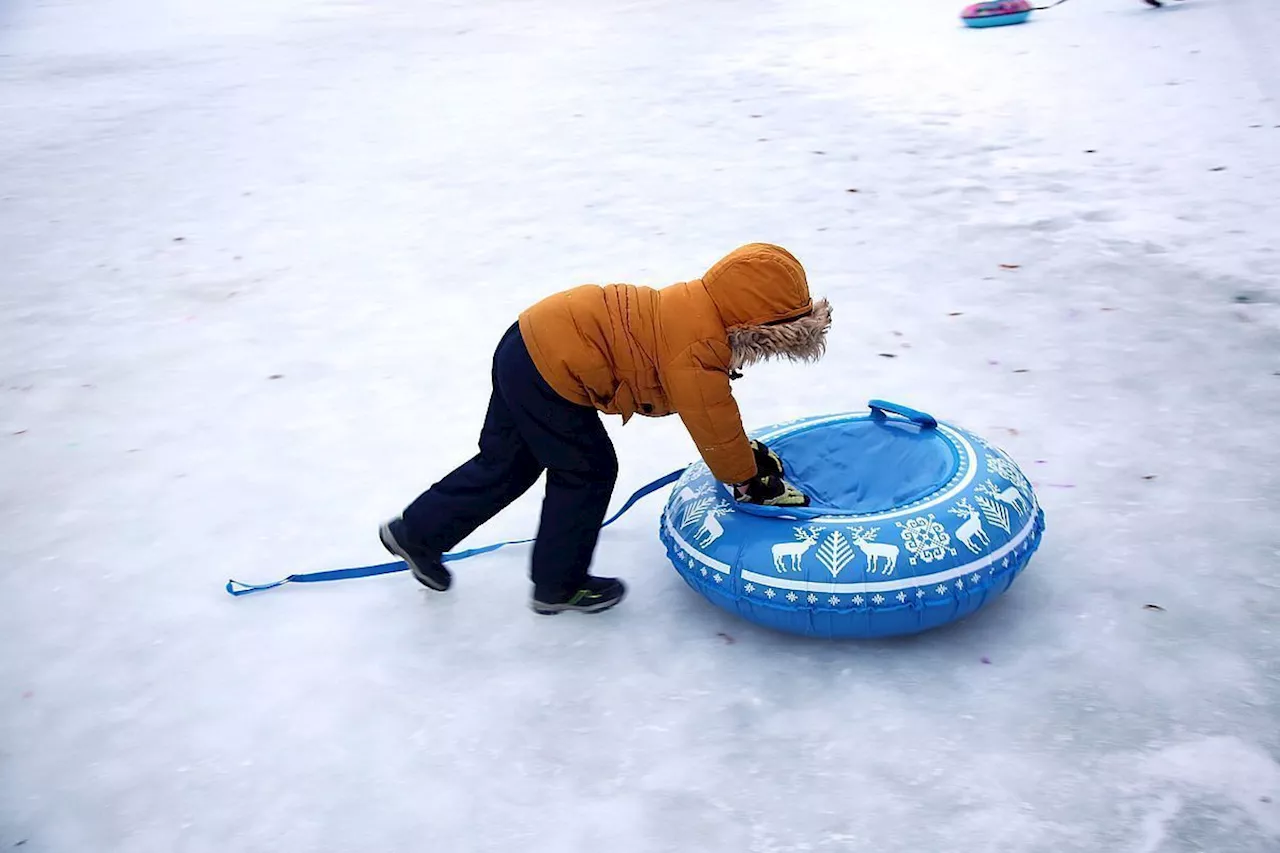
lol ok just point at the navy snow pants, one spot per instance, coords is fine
(529, 428)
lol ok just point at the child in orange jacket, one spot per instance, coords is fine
(624, 350)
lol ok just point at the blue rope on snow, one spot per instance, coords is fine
(239, 588)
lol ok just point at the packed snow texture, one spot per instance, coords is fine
(254, 257)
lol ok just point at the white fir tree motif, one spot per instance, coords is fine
(875, 551)
(987, 496)
(696, 502)
(787, 555)
(835, 553)
(925, 539)
(711, 530)
(971, 531)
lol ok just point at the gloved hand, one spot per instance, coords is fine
(769, 490)
(768, 464)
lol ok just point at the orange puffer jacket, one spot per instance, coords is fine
(635, 350)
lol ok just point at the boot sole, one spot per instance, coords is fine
(389, 542)
(543, 609)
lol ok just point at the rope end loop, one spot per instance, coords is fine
(239, 588)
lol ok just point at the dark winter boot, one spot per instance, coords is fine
(594, 595)
(425, 565)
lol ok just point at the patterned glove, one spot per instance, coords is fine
(768, 464)
(769, 490)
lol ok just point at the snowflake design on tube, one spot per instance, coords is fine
(792, 597)
(926, 539)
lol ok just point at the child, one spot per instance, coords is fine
(622, 350)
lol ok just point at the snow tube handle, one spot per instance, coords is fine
(880, 407)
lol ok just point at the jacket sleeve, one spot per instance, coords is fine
(697, 386)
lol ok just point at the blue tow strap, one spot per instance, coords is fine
(238, 588)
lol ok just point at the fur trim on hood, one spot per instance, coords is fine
(801, 339)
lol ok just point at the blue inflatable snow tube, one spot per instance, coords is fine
(996, 13)
(913, 524)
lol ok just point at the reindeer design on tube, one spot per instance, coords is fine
(787, 555)
(1013, 497)
(971, 529)
(864, 540)
(711, 529)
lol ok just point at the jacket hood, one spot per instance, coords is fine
(756, 284)
(763, 298)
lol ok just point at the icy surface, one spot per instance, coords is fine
(254, 255)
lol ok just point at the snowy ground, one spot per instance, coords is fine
(253, 260)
